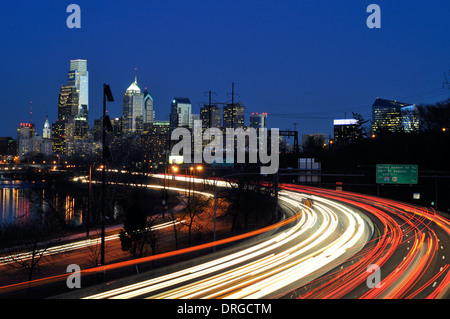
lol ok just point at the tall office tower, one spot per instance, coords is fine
(258, 120)
(47, 132)
(25, 139)
(394, 116)
(234, 115)
(67, 102)
(210, 116)
(149, 113)
(180, 114)
(79, 78)
(344, 130)
(63, 136)
(133, 109)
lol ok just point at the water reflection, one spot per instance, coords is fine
(22, 202)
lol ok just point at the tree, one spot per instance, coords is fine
(137, 233)
(360, 130)
(25, 245)
(194, 206)
(249, 200)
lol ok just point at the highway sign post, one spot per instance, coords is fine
(397, 174)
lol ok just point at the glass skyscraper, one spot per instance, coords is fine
(181, 113)
(79, 78)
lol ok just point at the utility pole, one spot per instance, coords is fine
(232, 104)
(446, 83)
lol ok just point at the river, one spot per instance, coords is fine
(22, 202)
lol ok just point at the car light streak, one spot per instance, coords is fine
(320, 252)
(305, 250)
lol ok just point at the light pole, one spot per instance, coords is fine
(107, 95)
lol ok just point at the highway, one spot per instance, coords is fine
(325, 253)
(324, 248)
(288, 259)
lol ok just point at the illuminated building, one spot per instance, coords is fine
(133, 109)
(155, 142)
(258, 120)
(181, 113)
(394, 116)
(344, 130)
(67, 102)
(25, 139)
(47, 131)
(63, 136)
(210, 116)
(234, 115)
(149, 113)
(79, 78)
(8, 146)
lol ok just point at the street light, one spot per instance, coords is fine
(107, 96)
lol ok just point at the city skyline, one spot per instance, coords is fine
(295, 66)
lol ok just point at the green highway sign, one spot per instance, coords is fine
(397, 174)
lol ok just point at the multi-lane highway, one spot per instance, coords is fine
(327, 251)
(329, 245)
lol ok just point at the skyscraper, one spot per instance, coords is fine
(181, 113)
(210, 116)
(149, 113)
(234, 115)
(73, 107)
(133, 109)
(79, 78)
(67, 102)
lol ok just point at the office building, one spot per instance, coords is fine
(133, 110)
(258, 120)
(67, 102)
(149, 113)
(344, 130)
(234, 115)
(155, 143)
(210, 116)
(8, 146)
(25, 139)
(181, 113)
(394, 116)
(63, 136)
(78, 77)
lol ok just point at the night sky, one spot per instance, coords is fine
(304, 62)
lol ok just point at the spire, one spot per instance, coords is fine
(135, 75)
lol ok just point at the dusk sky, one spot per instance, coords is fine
(304, 62)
